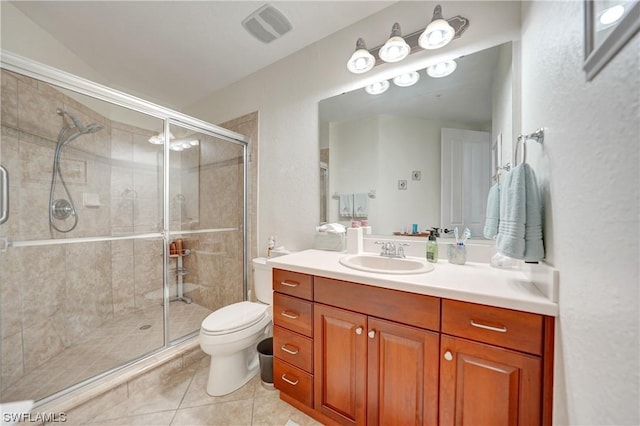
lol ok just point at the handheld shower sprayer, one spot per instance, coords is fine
(62, 208)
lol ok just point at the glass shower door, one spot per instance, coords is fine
(206, 226)
(81, 260)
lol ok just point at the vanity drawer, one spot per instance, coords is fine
(293, 283)
(502, 327)
(414, 309)
(293, 313)
(293, 381)
(297, 350)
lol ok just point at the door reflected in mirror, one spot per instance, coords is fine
(392, 145)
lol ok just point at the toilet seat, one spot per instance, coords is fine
(233, 318)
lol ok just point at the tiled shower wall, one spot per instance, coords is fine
(54, 295)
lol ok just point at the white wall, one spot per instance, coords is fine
(22, 36)
(589, 166)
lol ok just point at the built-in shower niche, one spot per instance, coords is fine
(84, 294)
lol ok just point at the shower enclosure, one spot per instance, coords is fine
(125, 227)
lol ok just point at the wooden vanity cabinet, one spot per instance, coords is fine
(370, 370)
(358, 354)
(293, 336)
(495, 366)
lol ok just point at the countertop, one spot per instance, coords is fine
(471, 282)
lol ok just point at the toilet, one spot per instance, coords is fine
(230, 335)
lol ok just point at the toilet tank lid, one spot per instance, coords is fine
(233, 317)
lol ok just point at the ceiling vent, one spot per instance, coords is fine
(267, 24)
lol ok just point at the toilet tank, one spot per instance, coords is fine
(262, 277)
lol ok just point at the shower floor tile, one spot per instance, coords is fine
(117, 341)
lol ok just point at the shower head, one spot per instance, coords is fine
(93, 128)
(76, 122)
(63, 139)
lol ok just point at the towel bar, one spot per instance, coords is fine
(537, 136)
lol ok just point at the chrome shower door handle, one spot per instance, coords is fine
(4, 210)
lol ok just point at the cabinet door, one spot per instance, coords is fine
(402, 383)
(486, 385)
(340, 364)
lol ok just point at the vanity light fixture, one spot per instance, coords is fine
(406, 79)
(377, 87)
(438, 33)
(395, 49)
(361, 61)
(442, 69)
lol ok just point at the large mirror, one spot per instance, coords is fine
(425, 154)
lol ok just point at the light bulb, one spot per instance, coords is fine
(361, 61)
(442, 69)
(406, 79)
(438, 33)
(377, 87)
(612, 14)
(395, 49)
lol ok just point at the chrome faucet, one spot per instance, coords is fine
(389, 249)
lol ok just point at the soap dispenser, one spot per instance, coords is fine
(432, 246)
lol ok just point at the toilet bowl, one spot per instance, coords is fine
(230, 335)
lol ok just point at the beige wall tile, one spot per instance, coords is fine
(9, 112)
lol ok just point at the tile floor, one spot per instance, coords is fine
(180, 399)
(117, 341)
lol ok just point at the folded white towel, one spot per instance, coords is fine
(493, 212)
(346, 206)
(361, 205)
(520, 226)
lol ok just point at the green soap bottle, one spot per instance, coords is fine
(432, 246)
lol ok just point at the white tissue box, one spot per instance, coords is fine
(332, 241)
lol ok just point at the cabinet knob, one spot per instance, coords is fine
(371, 334)
(448, 355)
(359, 330)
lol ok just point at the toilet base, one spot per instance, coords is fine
(228, 373)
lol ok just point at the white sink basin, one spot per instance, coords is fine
(386, 265)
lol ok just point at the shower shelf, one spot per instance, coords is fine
(180, 271)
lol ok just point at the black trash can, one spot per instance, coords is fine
(265, 356)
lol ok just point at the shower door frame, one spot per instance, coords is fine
(20, 65)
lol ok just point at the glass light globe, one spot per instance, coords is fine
(437, 34)
(442, 69)
(377, 87)
(406, 79)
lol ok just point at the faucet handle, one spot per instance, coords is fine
(400, 251)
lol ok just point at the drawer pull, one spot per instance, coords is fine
(290, 351)
(292, 383)
(501, 329)
(290, 284)
(293, 315)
